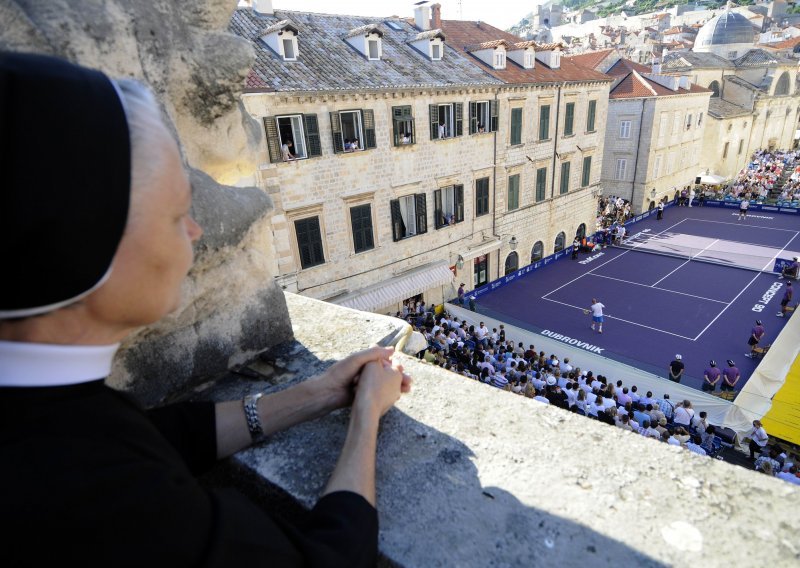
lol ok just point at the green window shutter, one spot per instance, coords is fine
(587, 171)
(565, 167)
(591, 116)
(473, 118)
(368, 116)
(459, 202)
(398, 227)
(336, 133)
(273, 140)
(513, 192)
(313, 144)
(569, 119)
(438, 220)
(309, 242)
(541, 183)
(516, 126)
(459, 112)
(544, 122)
(397, 114)
(434, 116)
(481, 197)
(361, 221)
(493, 111)
(422, 213)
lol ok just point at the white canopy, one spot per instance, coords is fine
(712, 179)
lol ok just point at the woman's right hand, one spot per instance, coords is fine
(379, 386)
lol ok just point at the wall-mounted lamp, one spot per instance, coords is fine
(513, 243)
(653, 193)
(460, 262)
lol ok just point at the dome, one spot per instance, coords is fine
(725, 29)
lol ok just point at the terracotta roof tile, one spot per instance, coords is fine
(791, 42)
(487, 45)
(634, 85)
(461, 33)
(591, 59)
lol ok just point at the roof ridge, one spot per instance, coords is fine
(644, 81)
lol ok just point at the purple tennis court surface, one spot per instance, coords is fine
(657, 306)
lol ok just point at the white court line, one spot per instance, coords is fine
(603, 264)
(662, 289)
(728, 306)
(623, 320)
(780, 251)
(740, 225)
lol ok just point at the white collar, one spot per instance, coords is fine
(46, 365)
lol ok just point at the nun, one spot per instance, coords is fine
(97, 237)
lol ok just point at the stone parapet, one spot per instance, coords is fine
(472, 476)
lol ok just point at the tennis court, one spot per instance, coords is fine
(693, 283)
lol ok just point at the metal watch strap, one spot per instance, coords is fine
(250, 404)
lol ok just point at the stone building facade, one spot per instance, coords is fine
(422, 203)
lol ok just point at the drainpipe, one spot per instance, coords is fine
(494, 185)
(638, 149)
(555, 142)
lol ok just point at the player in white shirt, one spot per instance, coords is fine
(597, 315)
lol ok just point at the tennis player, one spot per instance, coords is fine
(743, 205)
(597, 314)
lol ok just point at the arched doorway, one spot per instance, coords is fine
(651, 206)
(560, 242)
(581, 232)
(537, 252)
(512, 263)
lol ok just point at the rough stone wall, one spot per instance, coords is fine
(231, 307)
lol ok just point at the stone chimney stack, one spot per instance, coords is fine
(263, 7)
(422, 18)
(436, 16)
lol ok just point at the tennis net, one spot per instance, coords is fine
(704, 249)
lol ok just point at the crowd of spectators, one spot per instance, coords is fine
(612, 210)
(491, 357)
(757, 179)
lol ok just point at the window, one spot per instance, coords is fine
(516, 126)
(560, 242)
(537, 252)
(564, 181)
(782, 88)
(624, 128)
(436, 52)
(581, 232)
(309, 242)
(676, 122)
(725, 150)
(299, 133)
(541, 183)
(621, 169)
(732, 54)
(403, 126)
(544, 122)
(481, 196)
(353, 130)
(361, 221)
(409, 216)
(289, 50)
(446, 120)
(482, 117)
(499, 60)
(373, 50)
(688, 121)
(481, 270)
(512, 263)
(657, 166)
(741, 146)
(590, 116)
(586, 173)
(670, 163)
(513, 192)
(448, 204)
(569, 119)
(662, 127)
(529, 59)
(699, 119)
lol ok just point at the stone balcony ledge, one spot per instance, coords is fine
(472, 476)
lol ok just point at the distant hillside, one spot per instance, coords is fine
(607, 7)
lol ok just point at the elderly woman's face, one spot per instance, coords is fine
(155, 253)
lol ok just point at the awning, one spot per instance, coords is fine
(399, 288)
(712, 179)
(482, 248)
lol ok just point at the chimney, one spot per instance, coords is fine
(422, 18)
(263, 7)
(436, 16)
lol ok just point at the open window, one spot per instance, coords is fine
(353, 130)
(482, 117)
(292, 137)
(448, 205)
(446, 120)
(403, 125)
(537, 252)
(409, 216)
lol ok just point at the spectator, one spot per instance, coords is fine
(683, 414)
(770, 458)
(790, 476)
(286, 151)
(700, 422)
(695, 445)
(758, 439)
(666, 406)
(707, 439)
